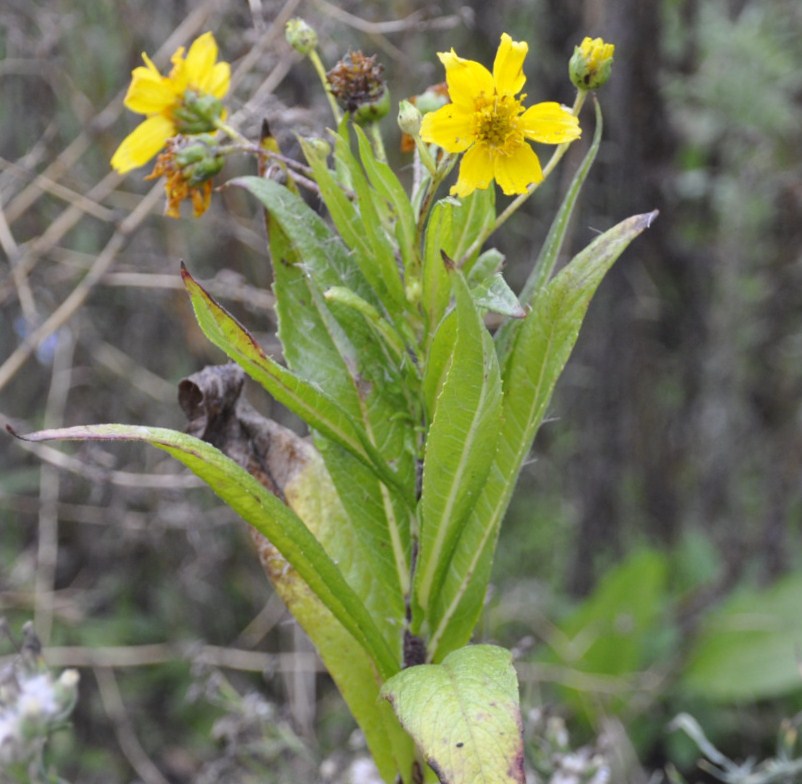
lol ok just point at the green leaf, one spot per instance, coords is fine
(464, 715)
(494, 294)
(386, 184)
(261, 509)
(611, 632)
(460, 444)
(308, 401)
(472, 216)
(438, 362)
(335, 346)
(382, 524)
(488, 287)
(749, 647)
(436, 282)
(358, 224)
(536, 357)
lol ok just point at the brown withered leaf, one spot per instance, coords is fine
(218, 414)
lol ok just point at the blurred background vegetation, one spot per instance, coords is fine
(651, 562)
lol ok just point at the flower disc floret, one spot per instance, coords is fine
(487, 121)
(187, 101)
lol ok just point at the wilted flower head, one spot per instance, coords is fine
(188, 164)
(185, 101)
(591, 63)
(487, 122)
(357, 82)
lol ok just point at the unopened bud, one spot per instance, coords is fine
(409, 118)
(300, 36)
(199, 159)
(198, 113)
(591, 63)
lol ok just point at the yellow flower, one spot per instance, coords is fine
(489, 124)
(186, 101)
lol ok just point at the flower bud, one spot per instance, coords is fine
(591, 63)
(300, 36)
(198, 113)
(199, 160)
(409, 118)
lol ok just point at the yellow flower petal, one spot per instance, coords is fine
(200, 61)
(475, 171)
(550, 123)
(149, 93)
(516, 172)
(142, 143)
(450, 127)
(219, 80)
(508, 67)
(466, 79)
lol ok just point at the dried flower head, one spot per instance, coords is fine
(358, 84)
(188, 164)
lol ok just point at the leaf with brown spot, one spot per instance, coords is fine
(464, 715)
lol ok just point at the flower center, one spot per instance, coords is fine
(496, 123)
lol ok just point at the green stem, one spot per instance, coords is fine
(446, 165)
(378, 142)
(321, 72)
(518, 201)
(232, 133)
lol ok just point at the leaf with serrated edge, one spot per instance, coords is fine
(261, 509)
(537, 356)
(464, 715)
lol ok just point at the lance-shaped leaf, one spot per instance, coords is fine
(268, 515)
(464, 715)
(338, 348)
(358, 223)
(307, 400)
(539, 351)
(460, 443)
(386, 184)
(435, 279)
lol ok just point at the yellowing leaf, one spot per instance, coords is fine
(464, 715)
